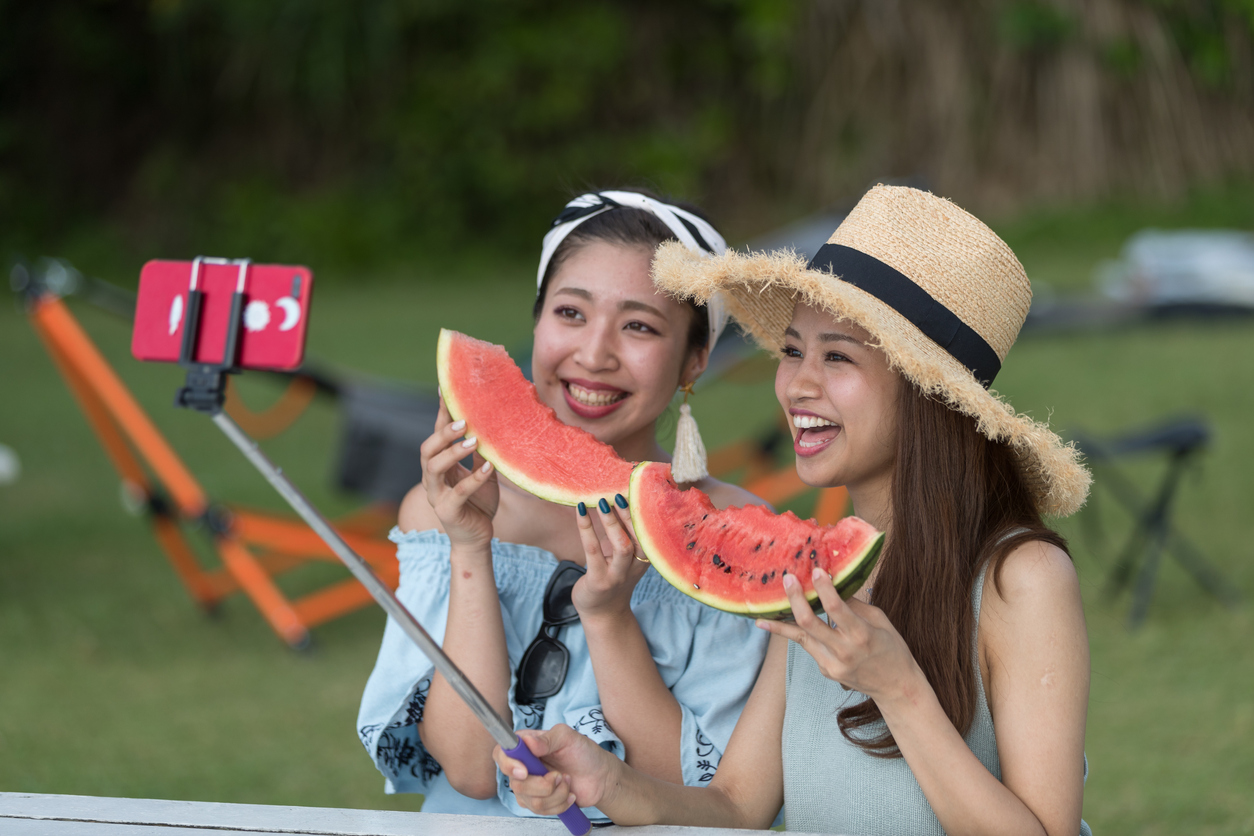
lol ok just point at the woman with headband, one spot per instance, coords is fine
(554, 622)
(950, 695)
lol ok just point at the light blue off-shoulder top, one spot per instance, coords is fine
(709, 660)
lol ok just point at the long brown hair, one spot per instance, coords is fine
(955, 494)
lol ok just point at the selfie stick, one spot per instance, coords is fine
(205, 392)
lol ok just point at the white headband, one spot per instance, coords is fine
(694, 232)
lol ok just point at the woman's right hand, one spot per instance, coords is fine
(580, 771)
(464, 500)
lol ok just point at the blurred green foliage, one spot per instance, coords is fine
(366, 134)
(1034, 25)
(364, 126)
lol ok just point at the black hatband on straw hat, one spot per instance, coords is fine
(902, 294)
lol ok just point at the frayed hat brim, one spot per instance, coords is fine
(760, 291)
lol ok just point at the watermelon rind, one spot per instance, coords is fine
(494, 450)
(847, 581)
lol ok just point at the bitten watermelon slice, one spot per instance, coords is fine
(521, 436)
(734, 559)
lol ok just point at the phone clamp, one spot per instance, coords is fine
(204, 389)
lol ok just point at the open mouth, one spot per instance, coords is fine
(813, 434)
(592, 400)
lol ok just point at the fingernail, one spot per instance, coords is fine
(519, 773)
(486, 467)
(789, 581)
(603, 505)
(457, 426)
(817, 574)
(583, 509)
(570, 799)
(470, 442)
(621, 500)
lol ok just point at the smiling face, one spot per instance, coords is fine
(610, 351)
(841, 400)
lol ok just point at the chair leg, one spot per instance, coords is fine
(1154, 527)
(259, 586)
(1144, 591)
(1207, 577)
(207, 588)
(1121, 573)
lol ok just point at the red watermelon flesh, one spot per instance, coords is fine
(735, 559)
(519, 434)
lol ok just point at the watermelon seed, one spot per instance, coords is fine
(726, 569)
(692, 545)
(703, 516)
(694, 586)
(814, 555)
(718, 561)
(764, 580)
(758, 547)
(797, 556)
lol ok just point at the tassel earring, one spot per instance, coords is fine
(689, 463)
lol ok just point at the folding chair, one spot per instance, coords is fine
(254, 546)
(1153, 532)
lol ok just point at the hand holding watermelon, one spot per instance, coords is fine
(464, 500)
(857, 647)
(613, 570)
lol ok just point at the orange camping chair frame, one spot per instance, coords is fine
(254, 546)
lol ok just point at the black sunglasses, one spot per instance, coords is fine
(542, 671)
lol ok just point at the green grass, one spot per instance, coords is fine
(112, 683)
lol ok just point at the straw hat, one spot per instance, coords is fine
(939, 292)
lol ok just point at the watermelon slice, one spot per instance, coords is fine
(521, 436)
(734, 559)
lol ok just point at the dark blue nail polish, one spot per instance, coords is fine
(583, 509)
(621, 500)
(603, 505)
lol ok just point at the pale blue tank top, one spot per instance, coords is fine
(832, 786)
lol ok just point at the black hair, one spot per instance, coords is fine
(627, 226)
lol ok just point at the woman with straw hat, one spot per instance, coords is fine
(948, 696)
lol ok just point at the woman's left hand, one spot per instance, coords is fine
(613, 570)
(860, 649)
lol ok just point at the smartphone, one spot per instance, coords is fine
(275, 313)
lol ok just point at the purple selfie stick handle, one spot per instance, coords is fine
(574, 819)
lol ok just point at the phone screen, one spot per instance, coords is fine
(276, 313)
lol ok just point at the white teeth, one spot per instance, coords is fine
(594, 397)
(807, 422)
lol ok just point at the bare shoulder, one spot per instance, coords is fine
(1037, 569)
(416, 513)
(727, 495)
(1036, 602)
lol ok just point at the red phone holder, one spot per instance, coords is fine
(216, 316)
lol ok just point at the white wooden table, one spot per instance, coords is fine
(28, 814)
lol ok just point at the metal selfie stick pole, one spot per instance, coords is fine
(574, 819)
(204, 392)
